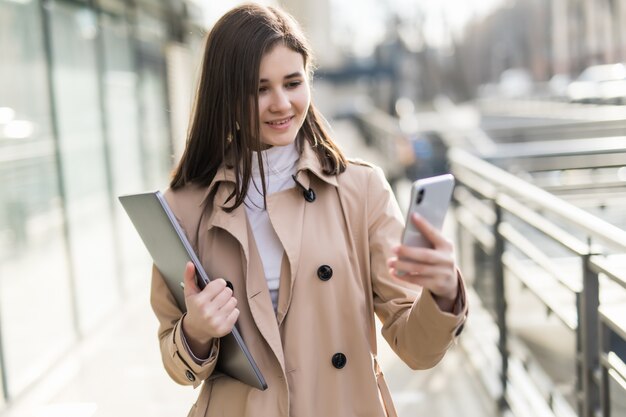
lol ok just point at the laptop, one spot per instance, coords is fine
(170, 250)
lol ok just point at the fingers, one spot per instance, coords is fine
(423, 255)
(221, 297)
(211, 312)
(421, 270)
(224, 318)
(189, 279)
(431, 233)
(430, 268)
(217, 299)
(445, 286)
(229, 322)
(434, 269)
(214, 288)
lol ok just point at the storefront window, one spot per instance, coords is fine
(123, 139)
(83, 161)
(155, 128)
(36, 315)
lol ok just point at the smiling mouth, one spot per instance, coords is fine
(280, 122)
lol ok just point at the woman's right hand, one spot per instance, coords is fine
(211, 312)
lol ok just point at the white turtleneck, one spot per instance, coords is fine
(280, 164)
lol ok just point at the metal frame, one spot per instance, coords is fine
(481, 184)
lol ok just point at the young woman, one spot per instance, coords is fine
(307, 240)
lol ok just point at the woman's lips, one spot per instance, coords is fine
(280, 124)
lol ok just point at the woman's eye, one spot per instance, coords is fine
(294, 84)
(262, 89)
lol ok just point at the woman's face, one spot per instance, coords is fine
(284, 95)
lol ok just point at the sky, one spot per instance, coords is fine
(360, 24)
(362, 18)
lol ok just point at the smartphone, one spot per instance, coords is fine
(430, 198)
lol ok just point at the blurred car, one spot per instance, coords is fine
(599, 84)
(557, 86)
(515, 83)
(613, 92)
(512, 83)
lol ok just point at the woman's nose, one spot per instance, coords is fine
(280, 102)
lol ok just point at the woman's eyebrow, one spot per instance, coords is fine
(292, 75)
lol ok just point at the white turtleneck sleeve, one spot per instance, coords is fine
(280, 165)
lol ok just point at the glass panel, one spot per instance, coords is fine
(121, 106)
(155, 126)
(84, 171)
(155, 118)
(35, 294)
(115, 7)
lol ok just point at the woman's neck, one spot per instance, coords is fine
(277, 160)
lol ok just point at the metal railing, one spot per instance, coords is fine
(561, 154)
(532, 130)
(518, 227)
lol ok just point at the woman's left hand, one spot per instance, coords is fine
(434, 268)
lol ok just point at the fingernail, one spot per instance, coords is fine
(416, 216)
(395, 249)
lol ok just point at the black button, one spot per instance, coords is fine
(339, 360)
(230, 285)
(324, 272)
(309, 195)
(190, 375)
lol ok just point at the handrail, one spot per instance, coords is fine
(555, 148)
(518, 207)
(595, 227)
(540, 223)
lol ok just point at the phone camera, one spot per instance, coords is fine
(420, 196)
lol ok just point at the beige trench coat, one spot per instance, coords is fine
(351, 227)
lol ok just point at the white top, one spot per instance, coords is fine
(280, 164)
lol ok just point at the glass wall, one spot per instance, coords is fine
(83, 119)
(155, 130)
(84, 170)
(121, 84)
(36, 318)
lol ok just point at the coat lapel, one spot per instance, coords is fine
(233, 222)
(288, 212)
(261, 304)
(257, 291)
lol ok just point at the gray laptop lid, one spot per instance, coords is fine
(170, 251)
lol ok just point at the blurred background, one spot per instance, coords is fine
(523, 100)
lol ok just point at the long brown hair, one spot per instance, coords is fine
(227, 98)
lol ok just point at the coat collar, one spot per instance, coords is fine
(224, 183)
(308, 162)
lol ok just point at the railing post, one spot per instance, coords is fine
(587, 346)
(605, 397)
(500, 304)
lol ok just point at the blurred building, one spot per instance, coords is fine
(544, 37)
(94, 99)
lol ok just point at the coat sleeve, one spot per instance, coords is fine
(413, 325)
(177, 360)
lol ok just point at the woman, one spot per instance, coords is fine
(304, 237)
